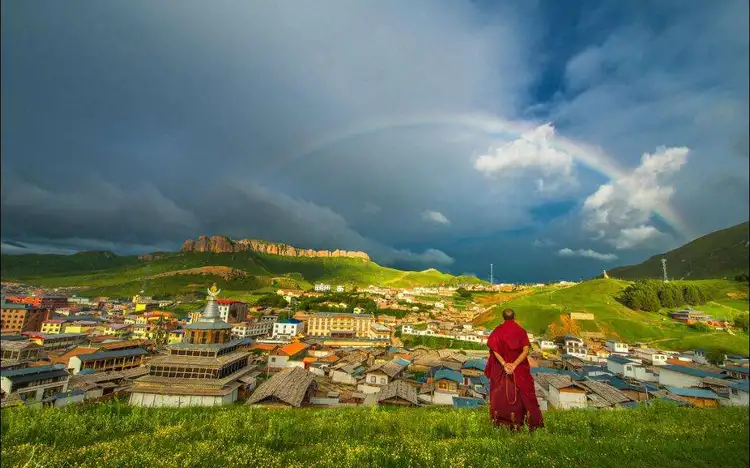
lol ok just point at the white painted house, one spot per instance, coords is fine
(739, 393)
(546, 345)
(651, 356)
(287, 329)
(620, 365)
(683, 376)
(699, 357)
(615, 346)
(567, 395)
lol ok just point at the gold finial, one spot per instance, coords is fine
(214, 288)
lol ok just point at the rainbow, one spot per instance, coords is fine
(593, 158)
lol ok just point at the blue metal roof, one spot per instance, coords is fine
(620, 360)
(693, 392)
(741, 370)
(743, 385)
(402, 362)
(449, 374)
(30, 370)
(113, 354)
(291, 320)
(467, 402)
(478, 364)
(693, 371)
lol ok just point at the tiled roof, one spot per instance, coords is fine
(113, 354)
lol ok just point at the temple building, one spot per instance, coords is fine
(207, 368)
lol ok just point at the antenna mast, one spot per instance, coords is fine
(145, 280)
(664, 269)
(491, 275)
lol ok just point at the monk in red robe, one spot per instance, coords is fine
(512, 396)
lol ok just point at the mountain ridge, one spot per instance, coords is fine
(719, 254)
(225, 244)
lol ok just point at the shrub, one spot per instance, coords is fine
(700, 326)
(741, 321)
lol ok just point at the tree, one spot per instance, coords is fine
(692, 294)
(741, 321)
(744, 277)
(462, 292)
(716, 357)
(666, 296)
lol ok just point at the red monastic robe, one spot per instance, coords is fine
(512, 397)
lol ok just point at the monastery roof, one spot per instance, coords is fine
(288, 386)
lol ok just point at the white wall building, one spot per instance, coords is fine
(651, 356)
(546, 345)
(288, 328)
(683, 376)
(616, 347)
(320, 287)
(739, 394)
(567, 396)
(251, 329)
(621, 365)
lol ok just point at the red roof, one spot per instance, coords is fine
(228, 301)
(292, 348)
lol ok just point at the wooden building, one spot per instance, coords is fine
(206, 369)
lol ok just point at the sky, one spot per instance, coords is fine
(550, 139)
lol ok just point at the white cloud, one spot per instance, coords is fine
(622, 208)
(533, 153)
(637, 236)
(588, 253)
(435, 217)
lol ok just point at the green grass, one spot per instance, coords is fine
(721, 254)
(106, 274)
(111, 435)
(540, 313)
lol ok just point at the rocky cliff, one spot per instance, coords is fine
(223, 244)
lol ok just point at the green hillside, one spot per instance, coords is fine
(116, 435)
(721, 254)
(546, 312)
(104, 273)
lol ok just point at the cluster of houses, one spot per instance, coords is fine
(321, 359)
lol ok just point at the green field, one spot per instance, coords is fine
(544, 313)
(106, 274)
(111, 435)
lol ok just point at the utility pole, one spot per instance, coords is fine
(664, 269)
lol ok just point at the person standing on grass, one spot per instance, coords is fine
(512, 396)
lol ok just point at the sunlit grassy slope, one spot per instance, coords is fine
(720, 254)
(545, 312)
(112, 436)
(108, 274)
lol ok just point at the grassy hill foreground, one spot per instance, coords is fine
(112, 435)
(720, 254)
(545, 311)
(170, 274)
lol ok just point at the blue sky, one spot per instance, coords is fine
(553, 139)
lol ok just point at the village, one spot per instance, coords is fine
(59, 350)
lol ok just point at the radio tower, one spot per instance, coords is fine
(491, 277)
(664, 269)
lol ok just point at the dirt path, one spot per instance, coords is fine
(224, 272)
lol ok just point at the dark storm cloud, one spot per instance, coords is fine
(131, 126)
